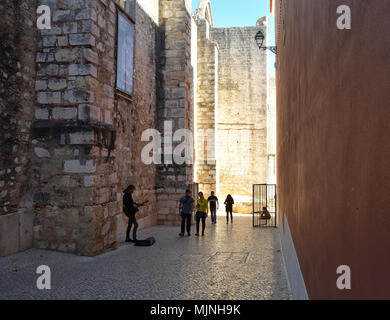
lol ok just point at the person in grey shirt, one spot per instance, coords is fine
(186, 207)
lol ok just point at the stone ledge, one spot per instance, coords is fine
(106, 132)
(69, 125)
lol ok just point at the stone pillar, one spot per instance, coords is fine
(17, 96)
(75, 182)
(206, 111)
(174, 107)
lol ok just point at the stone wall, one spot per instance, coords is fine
(135, 115)
(75, 181)
(17, 70)
(242, 112)
(206, 111)
(234, 116)
(74, 143)
(87, 137)
(85, 145)
(175, 109)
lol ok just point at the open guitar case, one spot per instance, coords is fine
(145, 243)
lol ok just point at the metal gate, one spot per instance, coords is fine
(264, 196)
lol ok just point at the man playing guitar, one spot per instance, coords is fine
(130, 208)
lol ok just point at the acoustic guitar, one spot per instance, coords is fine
(133, 211)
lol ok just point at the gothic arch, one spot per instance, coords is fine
(204, 12)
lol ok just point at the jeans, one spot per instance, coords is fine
(132, 222)
(199, 217)
(213, 215)
(229, 211)
(186, 221)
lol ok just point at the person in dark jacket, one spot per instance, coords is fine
(229, 208)
(186, 207)
(130, 208)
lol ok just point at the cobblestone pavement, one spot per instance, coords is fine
(231, 262)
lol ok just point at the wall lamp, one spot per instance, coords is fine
(260, 41)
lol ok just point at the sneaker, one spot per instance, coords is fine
(181, 235)
(128, 240)
(197, 235)
(189, 234)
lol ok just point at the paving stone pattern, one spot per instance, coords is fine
(231, 262)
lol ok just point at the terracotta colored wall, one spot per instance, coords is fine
(333, 143)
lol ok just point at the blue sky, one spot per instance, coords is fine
(240, 13)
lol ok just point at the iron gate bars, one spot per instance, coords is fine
(264, 196)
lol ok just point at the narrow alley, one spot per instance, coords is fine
(232, 262)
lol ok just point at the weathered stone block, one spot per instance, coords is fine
(63, 41)
(79, 96)
(83, 14)
(89, 112)
(66, 55)
(49, 41)
(62, 16)
(81, 137)
(88, 181)
(69, 27)
(54, 30)
(91, 56)
(40, 85)
(82, 70)
(57, 84)
(9, 234)
(178, 93)
(41, 113)
(82, 197)
(41, 57)
(74, 166)
(26, 230)
(41, 152)
(64, 113)
(49, 97)
(81, 39)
